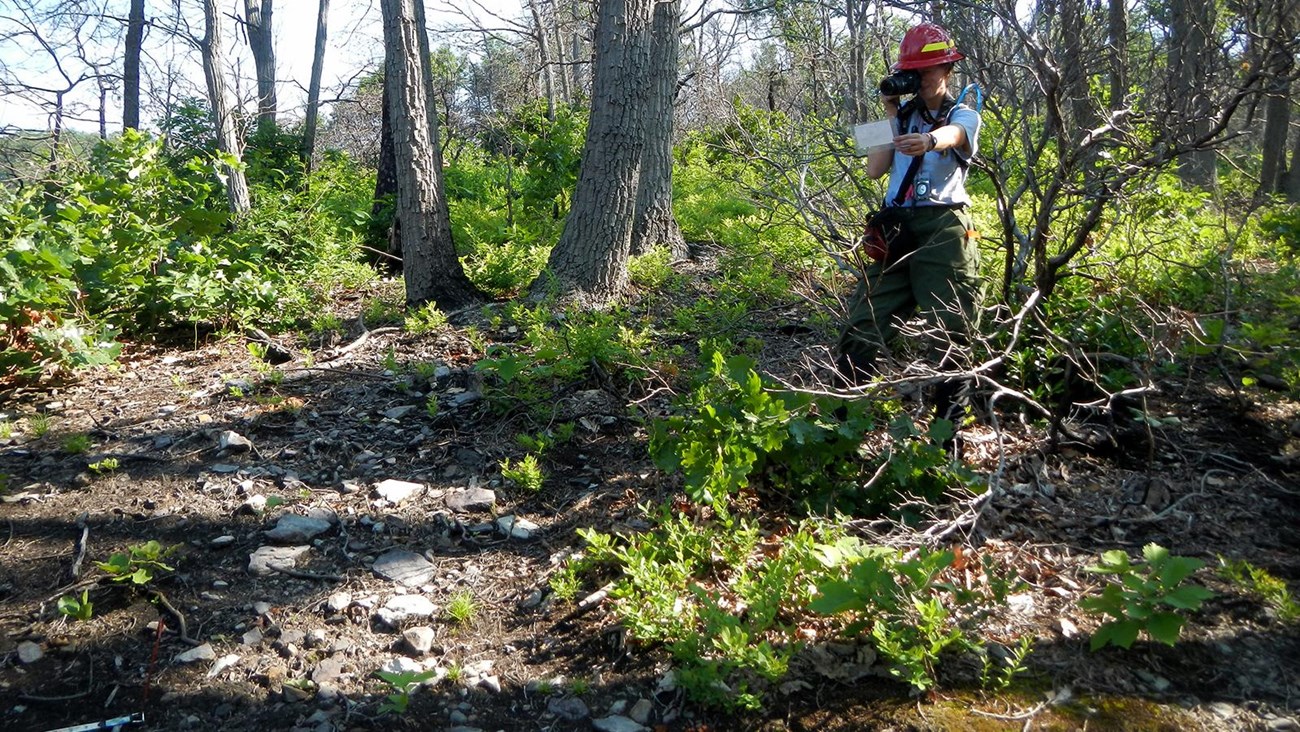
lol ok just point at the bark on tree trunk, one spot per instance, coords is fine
(1117, 52)
(433, 273)
(258, 19)
(131, 66)
(654, 224)
(544, 56)
(386, 235)
(313, 90)
(1191, 23)
(589, 263)
(227, 138)
(855, 13)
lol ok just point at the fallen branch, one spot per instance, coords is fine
(161, 599)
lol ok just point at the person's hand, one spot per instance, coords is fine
(912, 144)
(891, 105)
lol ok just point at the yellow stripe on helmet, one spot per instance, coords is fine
(938, 46)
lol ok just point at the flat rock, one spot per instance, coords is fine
(405, 607)
(402, 665)
(222, 664)
(396, 491)
(29, 652)
(617, 723)
(404, 567)
(260, 562)
(569, 708)
(419, 639)
(232, 441)
(199, 653)
(294, 529)
(517, 527)
(327, 671)
(224, 540)
(339, 601)
(471, 500)
(399, 412)
(641, 711)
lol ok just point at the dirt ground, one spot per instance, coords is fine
(213, 450)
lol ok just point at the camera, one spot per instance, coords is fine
(900, 83)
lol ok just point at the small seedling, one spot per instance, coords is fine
(455, 673)
(39, 425)
(462, 608)
(1258, 581)
(76, 444)
(526, 474)
(426, 320)
(77, 609)
(138, 564)
(6, 429)
(1148, 596)
(402, 685)
(431, 406)
(565, 583)
(107, 465)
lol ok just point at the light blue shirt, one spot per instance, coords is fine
(940, 174)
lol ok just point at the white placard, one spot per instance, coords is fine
(869, 135)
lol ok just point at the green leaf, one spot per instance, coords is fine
(1120, 633)
(1188, 597)
(1154, 553)
(141, 576)
(836, 597)
(1177, 569)
(1165, 627)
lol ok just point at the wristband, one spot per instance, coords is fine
(934, 144)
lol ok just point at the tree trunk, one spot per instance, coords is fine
(1277, 121)
(855, 14)
(258, 20)
(227, 139)
(544, 57)
(131, 66)
(655, 224)
(1190, 46)
(1278, 61)
(433, 273)
(313, 89)
(385, 230)
(1117, 52)
(589, 262)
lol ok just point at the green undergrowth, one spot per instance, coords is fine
(132, 241)
(737, 432)
(735, 602)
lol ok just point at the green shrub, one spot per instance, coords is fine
(1147, 596)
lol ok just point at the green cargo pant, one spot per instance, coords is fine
(940, 280)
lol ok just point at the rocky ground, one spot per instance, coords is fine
(322, 525)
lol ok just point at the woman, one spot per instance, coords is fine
(937, 271)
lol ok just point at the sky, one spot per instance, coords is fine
(355, 44)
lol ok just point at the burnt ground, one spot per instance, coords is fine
(297, 647)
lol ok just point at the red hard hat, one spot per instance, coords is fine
(926, 45)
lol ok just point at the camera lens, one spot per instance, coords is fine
(903, 82)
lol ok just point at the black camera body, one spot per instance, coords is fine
(902, 82)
